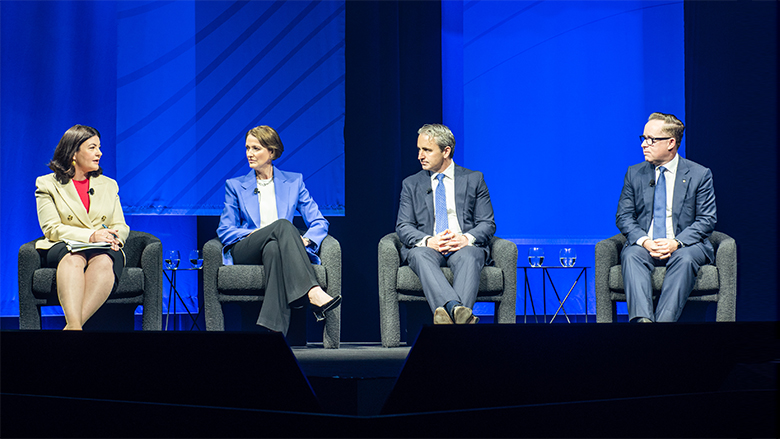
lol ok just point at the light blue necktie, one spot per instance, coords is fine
(441, 206)
(659, 206)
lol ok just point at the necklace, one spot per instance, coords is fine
(265, 182)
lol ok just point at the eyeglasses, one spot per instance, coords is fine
(652, 140)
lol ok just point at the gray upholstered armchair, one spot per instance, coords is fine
(714, 283)
(140, 284)
(497, 283)
(246, 283)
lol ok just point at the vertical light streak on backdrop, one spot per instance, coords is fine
(554, 95)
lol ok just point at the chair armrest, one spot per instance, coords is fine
(212, 261)
(503, 253)
(726, 262)
(151, 265)
(607, 255)
(389, 261)
(29, 260)
(330, 255)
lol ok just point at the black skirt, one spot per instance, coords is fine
(58, 251)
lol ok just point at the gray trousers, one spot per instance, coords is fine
(289, 275)
(681, 269)
(466, 264)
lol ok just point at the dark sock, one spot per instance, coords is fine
(449, 306)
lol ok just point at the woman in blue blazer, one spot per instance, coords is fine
(256, 228)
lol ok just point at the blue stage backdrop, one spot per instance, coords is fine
(194, 77)
(173, 87)
(548, 100)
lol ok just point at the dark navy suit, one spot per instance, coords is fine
(693, 220)
(416, 221)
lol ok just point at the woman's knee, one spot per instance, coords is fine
(72, 261)
(283, 224)
(271, 252)
(101, 261)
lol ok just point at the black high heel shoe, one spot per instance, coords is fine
(319, 311)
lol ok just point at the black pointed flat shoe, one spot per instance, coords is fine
(319, 311)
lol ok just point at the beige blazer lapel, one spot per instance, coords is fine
(69, 195)
(102, 199)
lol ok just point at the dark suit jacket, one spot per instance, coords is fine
(693, 208)
(472, 203)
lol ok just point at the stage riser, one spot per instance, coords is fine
(196, 368)
(459, 367)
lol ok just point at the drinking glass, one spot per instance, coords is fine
(195, 259)
(536, 256)
(568, 257)
(172, 259)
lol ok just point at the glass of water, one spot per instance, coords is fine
(568, 257)
(195, 259)
(171, 259)
(536, 256)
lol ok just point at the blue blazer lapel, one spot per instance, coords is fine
(681, 181)
(249, 198)
(284, 188)
(461, 186)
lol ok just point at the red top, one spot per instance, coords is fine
(82, 187)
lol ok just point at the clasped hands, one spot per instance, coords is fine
(661, 248)
(447, 242)
(106, 235)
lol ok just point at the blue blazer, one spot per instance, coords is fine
(693, 208)
(472, 203)
(241, 214)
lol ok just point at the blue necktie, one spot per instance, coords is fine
(441, 206)
(659, 206)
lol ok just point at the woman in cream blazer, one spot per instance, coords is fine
(77, 204)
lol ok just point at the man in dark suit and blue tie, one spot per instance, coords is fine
(445, 219)
(667, 213)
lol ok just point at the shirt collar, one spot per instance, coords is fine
(448, 173)
(672, 165)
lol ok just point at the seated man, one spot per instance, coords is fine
(445, 219)
(667, 212)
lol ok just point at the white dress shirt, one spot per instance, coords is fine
(266, 198)
(452, 215)
(671, 175)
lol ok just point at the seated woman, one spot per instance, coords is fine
(78, 204)
(256, 228)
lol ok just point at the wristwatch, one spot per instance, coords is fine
(679, 244)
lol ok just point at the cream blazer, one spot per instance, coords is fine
(62, 215)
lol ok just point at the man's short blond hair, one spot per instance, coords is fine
(673, 127)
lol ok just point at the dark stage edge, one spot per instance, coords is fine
(230, 390)
(355, 379)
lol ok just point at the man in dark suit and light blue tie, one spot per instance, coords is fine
(445, 219)
(667, 213)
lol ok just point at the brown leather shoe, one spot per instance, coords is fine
(462, 315)
(441, 317)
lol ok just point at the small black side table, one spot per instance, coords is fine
(173, 291)
(545, 277)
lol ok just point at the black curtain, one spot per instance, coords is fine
(393, 61)
(731, 127)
